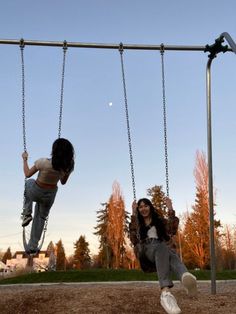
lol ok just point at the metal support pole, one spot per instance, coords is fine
(214, 50)
(210, 180)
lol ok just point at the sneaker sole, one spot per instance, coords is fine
(190, 285)
(26, 223)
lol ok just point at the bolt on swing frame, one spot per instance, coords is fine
(214, 49)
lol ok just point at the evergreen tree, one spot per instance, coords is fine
(50, 248)
(82, 259)
(196, 232)
(112, 227)
(157, 197)
(7, 255)
(104, 255)
(61, 257)
(51, 252)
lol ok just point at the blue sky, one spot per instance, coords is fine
(97, 130)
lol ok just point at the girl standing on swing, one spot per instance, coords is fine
(149, 229)
(43, 190)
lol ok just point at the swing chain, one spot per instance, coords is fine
(162, 51)
(121, 50)
(22, 46)
(62, 87)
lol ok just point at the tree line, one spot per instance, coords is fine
(192, 241)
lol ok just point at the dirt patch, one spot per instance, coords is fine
(112, 298)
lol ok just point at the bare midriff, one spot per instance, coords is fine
(45, 185)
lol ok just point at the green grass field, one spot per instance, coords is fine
(102, 275)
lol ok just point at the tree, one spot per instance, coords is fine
(117, 225)
(158, 199)
(196, 249)
(105, 251)
(7, 255)
(51, 252)
(70, 262)
(82, 259)
(51, 248)
(61, 257)
(228, 253)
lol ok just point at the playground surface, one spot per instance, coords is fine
(122, 298)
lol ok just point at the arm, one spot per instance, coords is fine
(28, 171)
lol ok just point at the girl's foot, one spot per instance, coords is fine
(26, 220)
(169, 303)
(190, 283)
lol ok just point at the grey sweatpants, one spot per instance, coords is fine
(44, 199)
(166, 260)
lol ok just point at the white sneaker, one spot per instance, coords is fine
(169, 303)
(190, 283)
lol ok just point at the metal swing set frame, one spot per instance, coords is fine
(214, 49)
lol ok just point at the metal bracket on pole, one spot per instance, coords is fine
(216, 47)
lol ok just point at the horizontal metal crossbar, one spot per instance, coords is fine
(102, 45)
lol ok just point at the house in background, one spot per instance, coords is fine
(43, 261)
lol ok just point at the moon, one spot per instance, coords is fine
(110, 104)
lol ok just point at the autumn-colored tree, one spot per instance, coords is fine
(117, 225)
(70, 262)
(61, 257)
(196, 248)
(7, 255)
(82, 259)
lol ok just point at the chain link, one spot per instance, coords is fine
(162, 50)
(127, 122)
(62, 87)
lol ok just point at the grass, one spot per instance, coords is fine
(97, 275)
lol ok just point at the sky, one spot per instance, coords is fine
(97, 129)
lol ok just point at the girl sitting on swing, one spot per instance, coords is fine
(43, 190)
(149, 233)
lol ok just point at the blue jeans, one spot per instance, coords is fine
(44, 199)
(166, 260)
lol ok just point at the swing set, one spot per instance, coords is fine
(214, 49)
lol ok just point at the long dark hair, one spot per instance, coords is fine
(63, 155)
(156, 220)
